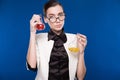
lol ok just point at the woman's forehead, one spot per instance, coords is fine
(54, 10)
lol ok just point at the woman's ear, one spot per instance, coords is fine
(45, 20)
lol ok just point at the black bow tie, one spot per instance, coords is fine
(55, 37)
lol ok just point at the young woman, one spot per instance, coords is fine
(49, 53)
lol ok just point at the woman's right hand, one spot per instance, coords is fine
(34, 20)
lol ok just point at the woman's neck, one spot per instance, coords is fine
(57, 32)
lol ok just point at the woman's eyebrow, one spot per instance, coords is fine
(51, 14)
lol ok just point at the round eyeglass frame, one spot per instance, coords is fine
(55, 18)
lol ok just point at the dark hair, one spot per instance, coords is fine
(50, 3)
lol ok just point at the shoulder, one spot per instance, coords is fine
(70, 35)
(41, 36)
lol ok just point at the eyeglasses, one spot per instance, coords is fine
(53, 19)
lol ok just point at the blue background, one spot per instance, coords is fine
(99, 20)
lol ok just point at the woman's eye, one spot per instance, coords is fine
(51, 17)
(61, 14)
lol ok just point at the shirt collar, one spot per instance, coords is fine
(53, 36)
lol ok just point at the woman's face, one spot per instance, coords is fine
(55, 18)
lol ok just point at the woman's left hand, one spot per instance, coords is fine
(81, 42)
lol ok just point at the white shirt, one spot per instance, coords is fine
(43, 51)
